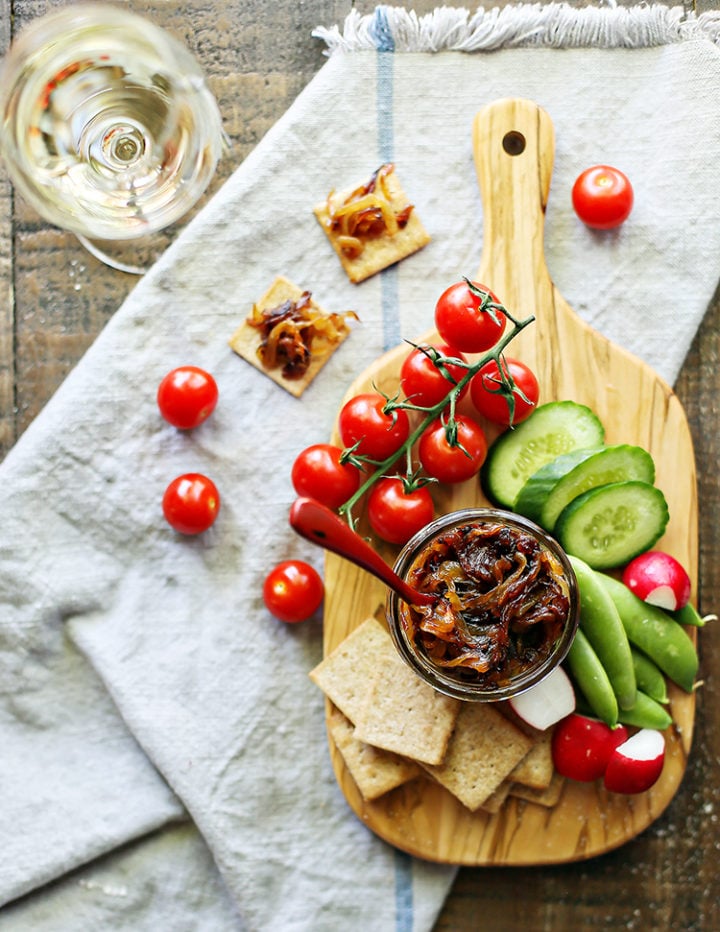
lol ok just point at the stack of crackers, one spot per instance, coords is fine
(391, 727)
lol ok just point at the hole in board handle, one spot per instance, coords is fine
(513, 142)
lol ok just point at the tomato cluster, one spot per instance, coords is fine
(440, 443)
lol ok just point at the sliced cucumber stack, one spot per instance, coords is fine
(609, 525)
(534, 494)
(619, 463)
(553, 429)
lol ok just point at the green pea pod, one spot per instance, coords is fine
(649, 676)
(592, 680)
(601, 624)
(646, 713)
(689, 615)
(656, 634)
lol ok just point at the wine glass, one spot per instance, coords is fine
(107, 126)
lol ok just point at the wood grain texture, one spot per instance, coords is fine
(258, 57)
(572, 362)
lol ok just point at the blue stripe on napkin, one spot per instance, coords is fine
(386, 147)
(391, 337)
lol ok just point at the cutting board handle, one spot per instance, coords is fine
(514, 147)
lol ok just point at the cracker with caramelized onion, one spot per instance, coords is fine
(330, 330)
(372, 226)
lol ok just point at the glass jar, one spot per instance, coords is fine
(523, 653)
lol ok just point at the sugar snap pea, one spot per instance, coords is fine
(592, 680)
(649, 676)
(646, 713)
(656, 634)
(601, 624)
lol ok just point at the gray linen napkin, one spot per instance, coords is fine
(213, 689)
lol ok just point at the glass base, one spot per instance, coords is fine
(133, 257)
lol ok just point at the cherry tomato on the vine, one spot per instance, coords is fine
(461, 322)
(602, 197)
(454, 463)
(187, 396)
(380, 435)
(293, 591)
(424, 383)
(396, 515)
(191, 503)
(318, 473)
(492, 404)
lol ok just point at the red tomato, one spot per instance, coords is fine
(453, 463)
(362, 419)
(423, 382)
(318, 473)
(187, 396)
(396, 515)
(293, 591)
(493, 405)
(582, 747)
(602, 197)
(461, 322)
(191, 503)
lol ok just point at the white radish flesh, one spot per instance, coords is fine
(546, 703)
(636, 765)
(656, 577)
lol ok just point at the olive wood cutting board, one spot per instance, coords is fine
(513, 142)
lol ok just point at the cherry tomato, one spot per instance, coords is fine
(396, 515)
(453, 463)
(187, 396)
(461, 323)
(493, 405)
(191, 503)
(362, 419)
(423, 382)
(318, 473)
(602, 197)
(293, 591)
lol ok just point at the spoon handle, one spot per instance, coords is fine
(323, 527)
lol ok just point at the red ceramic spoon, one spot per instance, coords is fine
(323, 527)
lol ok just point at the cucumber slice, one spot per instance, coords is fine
(534, 493)
(619, 463)
(609, 525)
(552, 429)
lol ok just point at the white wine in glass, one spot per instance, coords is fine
(108, 127)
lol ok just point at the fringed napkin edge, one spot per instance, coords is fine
(554, 25)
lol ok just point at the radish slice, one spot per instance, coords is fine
(546, 703)
(658, 578)
(636, 765)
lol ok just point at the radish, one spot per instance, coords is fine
(547, 702)
(657, 578)
(582, 747)
(635, 765)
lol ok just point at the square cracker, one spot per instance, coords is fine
(247, 339)
(345, 675)
(382, 251)
(548, 797)
(485, 747)
(536, 768)
(375, 772)
(401, 713)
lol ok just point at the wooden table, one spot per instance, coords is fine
(55, 298)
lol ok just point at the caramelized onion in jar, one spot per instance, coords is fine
(506, 607)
